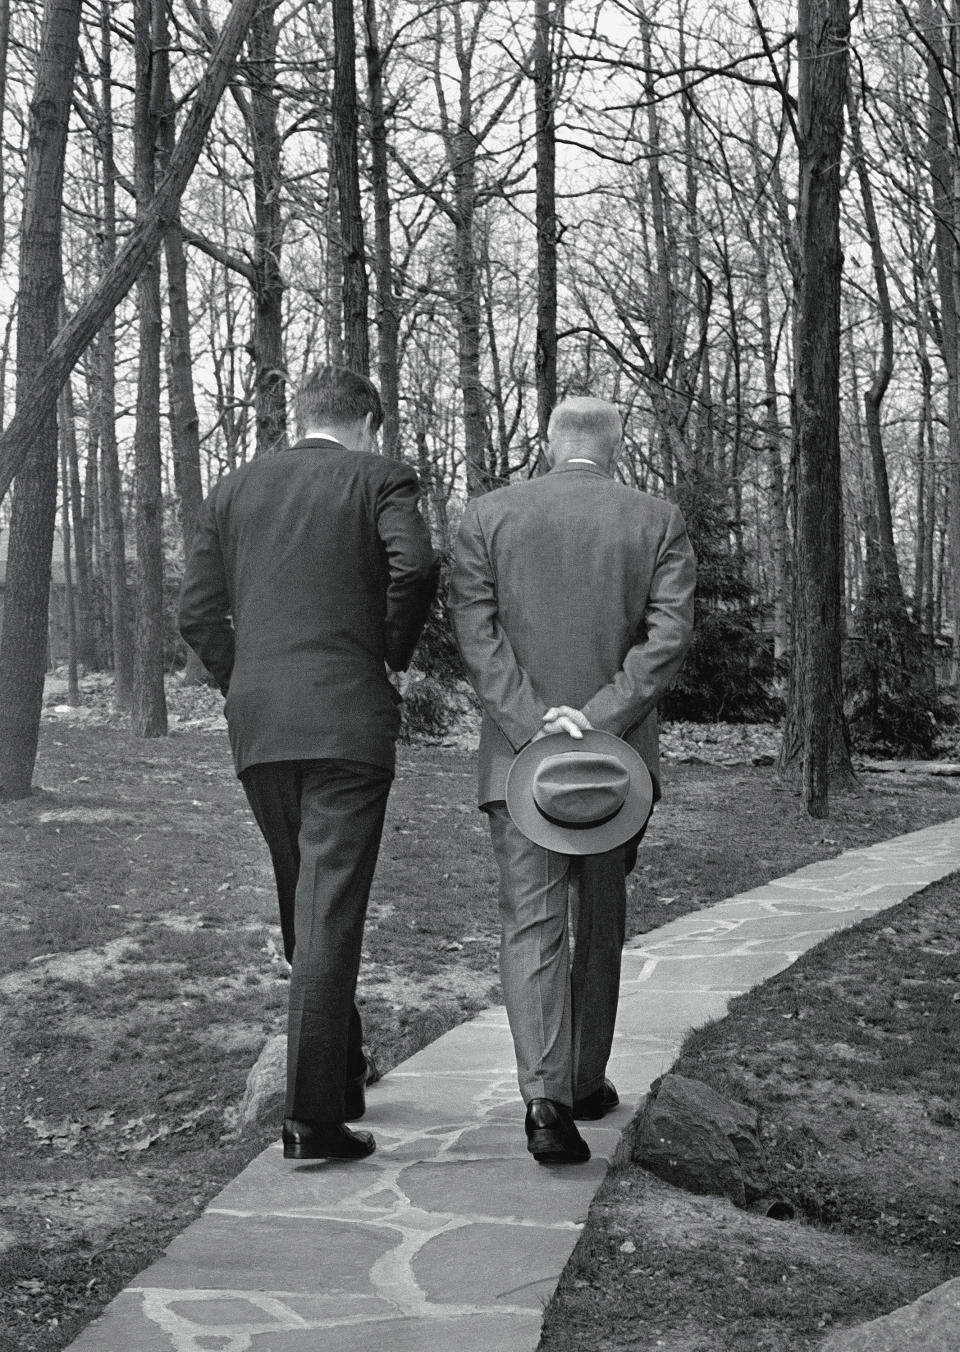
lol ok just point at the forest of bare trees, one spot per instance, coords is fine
(740, 223)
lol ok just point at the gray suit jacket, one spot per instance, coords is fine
(570, 589)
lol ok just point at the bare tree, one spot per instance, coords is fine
(548, 22)
(388, 320)
(356, 338)
(23, 641)
(815, 731)
(149, 713)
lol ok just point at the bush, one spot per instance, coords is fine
(729, 671)
(893, 706)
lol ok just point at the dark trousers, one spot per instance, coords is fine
(322, 821)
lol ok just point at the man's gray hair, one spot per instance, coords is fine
(582, 422)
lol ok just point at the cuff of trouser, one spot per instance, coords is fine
(546, 1089)
(583, 1091)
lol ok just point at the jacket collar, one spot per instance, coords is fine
(316, 442)
(583, 466)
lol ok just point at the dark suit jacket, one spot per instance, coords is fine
(570, 589)
(309, 570)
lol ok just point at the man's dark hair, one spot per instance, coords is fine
(333, 395)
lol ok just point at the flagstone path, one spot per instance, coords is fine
(450, 1238)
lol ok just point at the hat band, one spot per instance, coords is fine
(578, 826)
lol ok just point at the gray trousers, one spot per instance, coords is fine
(322, 820)
(561, 1011)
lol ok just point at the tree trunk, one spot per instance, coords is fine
(873, 398)
(270, 376)
(355, 292)
(39, 397)
(184, 421)
(773, 434)
(4, 46)
(545, 356)
(815, 727)
(942, 157)
(69, 598)
(23, 641)
(333, 269)
(388, 318)
(83, 605)
(149, 714)
(111, 489)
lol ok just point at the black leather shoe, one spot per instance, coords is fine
(324, 1140)
(552, 1136)
(597, 1104)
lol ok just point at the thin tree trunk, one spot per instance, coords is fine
(4, 47)
(20, 436)
(355, 289)
(873, 397)
(83, 608)
(69, 598)
(111, 488)
(547, 18)
(815, 727)
(333, 271)
(942, 157)
(270, 376)
(184, 421)
(773, 433)
(149, 714)
(387, 311)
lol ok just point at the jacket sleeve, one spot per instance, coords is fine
(651, 664)
(502, 685)
(204, 618)
(413, 565)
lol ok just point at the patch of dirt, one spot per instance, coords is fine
(660, 1268)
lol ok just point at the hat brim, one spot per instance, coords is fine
(527, 818)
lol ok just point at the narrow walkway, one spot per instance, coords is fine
(450, 1238)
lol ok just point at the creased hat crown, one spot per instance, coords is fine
(580, 789)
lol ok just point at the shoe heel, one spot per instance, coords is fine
(292, 1150)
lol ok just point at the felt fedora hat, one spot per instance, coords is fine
(579, 795)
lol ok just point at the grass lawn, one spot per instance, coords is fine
(141, 971)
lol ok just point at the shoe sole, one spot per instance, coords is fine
(544, 1149)
(304, 1152)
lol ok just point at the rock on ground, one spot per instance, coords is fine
(693, 1137)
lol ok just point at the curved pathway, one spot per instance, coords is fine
(450, 1237)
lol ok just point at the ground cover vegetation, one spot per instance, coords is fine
(142, 972)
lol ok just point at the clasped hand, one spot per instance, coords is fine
(564, 719)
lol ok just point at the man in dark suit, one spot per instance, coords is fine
(311, 574)
(572, 603)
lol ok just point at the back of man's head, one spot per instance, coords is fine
(583, 426)
(335, 396)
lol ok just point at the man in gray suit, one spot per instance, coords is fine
(572, 603)
(312, 573)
